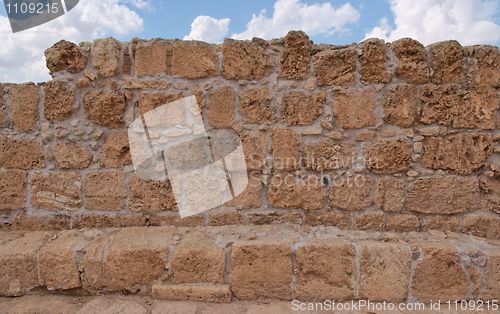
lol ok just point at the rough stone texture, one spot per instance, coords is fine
(256, 106)
(198, 259)
(226, 218)
(327, 155)
(296, 56)
(440, 271)
(245, 60)
(20, 153)
(351, 193)
(105, 108)
(384, 271)
(65, 55)
(411, 64)
(325, 271)
(116, 150)
(328, 218)
(443, 195)
(492, 275)
(299, 108)
(372, 220)
(150, 196)
(261, 270)
(72, 156)
(56, 190)
(402, 223)
(221, 106)
(462, 152)
(23, 105)
(254, 148)
(390, 194)
(192, 292)
(12, 189)
(373, 61)
(59, 100)
(104, 190)
(105, 56)
(490, 193)
(287, 191)
(285, 149)
(447, 62)
(482, 226)
(149, 101)
(389, 156)
(193, 60)
(151, 58)
(355, 108)
(336, 66)
(400, 106)
(488, 62)
(251, 196)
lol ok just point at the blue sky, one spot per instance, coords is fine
(326, 21)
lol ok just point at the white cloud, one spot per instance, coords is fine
(314, 19)
(468, 21)
(21, 54)
(208, 29)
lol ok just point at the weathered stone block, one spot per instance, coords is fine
(105, 56)
(490, 193)
(20, 153)
(384, 271)
(72, 156)
(411, 64)
(325, 271)
(373, 61)
(149, 101)
(289, 191)
(299, 108)
(192, 292)
(151, 58)
(328, 218)
(65, 55)
(193, 60)
(488, 62)
(328, 155)
(105, 108)
(59, 100)
(389, 156)
(245, 60)
(461, 152)
(225, 218)
(402, 223)
(355, 109)
(400, 106)
(254, 143)
(261, 270)
(371, 220)
(492, 275)
(447, 62)
(296, 56)
(116, 150)
(482, 226)
(442, 222)
(12, 189)
(104, 190)
(443, 195)
(221, 106)
(285, 149)
(151, 196)
(256, 105)
(390, 194)
(250, 197)
(336, 66)
(351, 193)
(56, 190)
(23, 105)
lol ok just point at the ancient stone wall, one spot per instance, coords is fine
(371, 136)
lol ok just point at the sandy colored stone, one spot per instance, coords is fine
(193, 292)
(482, 226)
(196, 259)
(351, 193)
(289, 191)
(324, 155)
(488, 62)
(20, 153)
(400, 106)
(221, 106)
(151, 196)
(336, 66)
(254, 148)
(384, 271)
(250, 197)
(150, 101)
(447, 62)
(443, 195)
(151, 58)
(116, 150)
(439, 275)
(389, 156)
(175, 220)
(105, 108)
(442, 222)
(261, 270)
(371, 220)
(193, 60)
(23, 105)
(225, 218)
(104, 191)
(328, 218)
(245, 60)
(274, 217)
(298, 108)
(59, 100)
(105, 56)
(490, 193)
(355, 108)
(461, 152)
(411, 64)
(56, 190)
(325, 271)
(390, 194)
(296, 56)
(29, 222)
(94, 220)
(373, 61)
(256, 105)
(72, 156)
(12, 189)
(65, 55)
(110, 305)
(285, 149)
(402, 223)
(492, 275)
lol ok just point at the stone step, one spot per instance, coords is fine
(282, 262)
